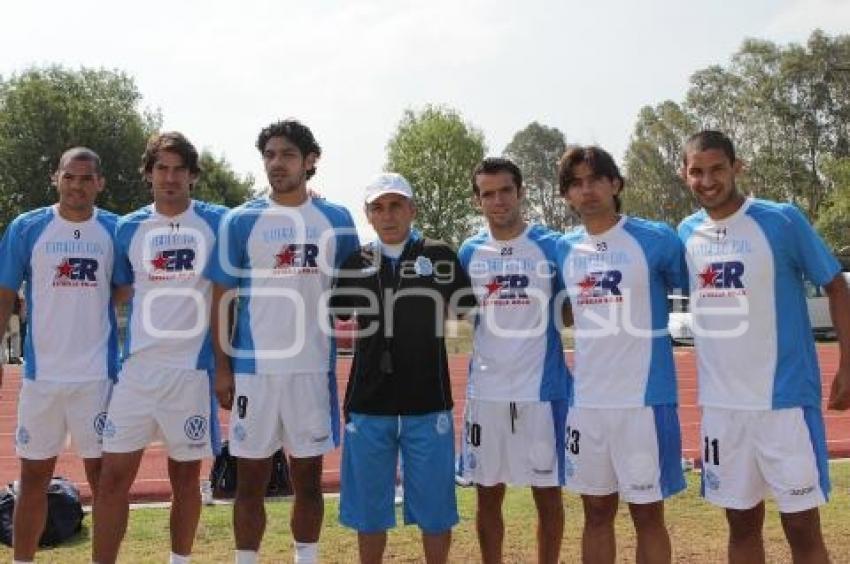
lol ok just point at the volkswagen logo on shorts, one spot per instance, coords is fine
(22, 436)
(196, 427)
(99, 423)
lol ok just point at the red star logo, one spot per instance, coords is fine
(285, 257)
(493, 287)
(160, 262)
(708, 277)
(587, 285)
(64, 270)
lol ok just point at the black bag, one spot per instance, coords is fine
(279, 483)
(7, 510)
(64, 513)
(223, 475)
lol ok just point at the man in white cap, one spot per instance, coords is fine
(398, 398)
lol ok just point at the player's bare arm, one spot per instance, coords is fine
(220, 328)
(7, 304)
(122, 294)
(839, 310)
(567, 314)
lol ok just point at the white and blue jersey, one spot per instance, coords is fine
(517, 351)
(618, 282)
(67, 270)
(282, 261)
(164, 257)
(751, 326)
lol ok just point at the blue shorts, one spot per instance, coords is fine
(370, 453)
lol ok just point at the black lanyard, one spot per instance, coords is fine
(386, 362)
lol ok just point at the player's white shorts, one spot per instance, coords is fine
(634, 451)
(49, 411)
(747, 454)
(152, 402)
(290, 410)
(516, 443)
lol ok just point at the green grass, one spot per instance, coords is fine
(698, 532)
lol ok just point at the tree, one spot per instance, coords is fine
(536, 150)
(436, 151)
(44, 111)
(787, 108)
(654, 188)
(218, 184)
(834, 221)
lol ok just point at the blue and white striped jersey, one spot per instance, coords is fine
(164, 257)
(618, 282)
(282, 261)
(66, 268)
(517, 353)
(751, 327)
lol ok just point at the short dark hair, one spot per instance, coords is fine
(80, 154)
(495, 165)
(598, 159)
(173, 142)
(708, 139)
(296, 133)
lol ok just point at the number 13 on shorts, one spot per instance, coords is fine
(573, 436)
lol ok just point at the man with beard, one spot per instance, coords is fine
(277, 257)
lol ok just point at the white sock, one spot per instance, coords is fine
(177, 559)
(306, 552)
(246, 557)
(22, 561)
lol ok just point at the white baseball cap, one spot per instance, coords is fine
(388, 183)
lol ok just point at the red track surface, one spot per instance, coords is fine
(152, 480)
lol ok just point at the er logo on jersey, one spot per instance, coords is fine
(77, 272)
(297, 258)
(720, 279)
(600, 288)
(173, 264)
(174, 260)
(507, 289)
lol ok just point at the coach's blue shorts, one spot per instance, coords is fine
(370, 452)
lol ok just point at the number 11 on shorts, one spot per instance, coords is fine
(711, 454)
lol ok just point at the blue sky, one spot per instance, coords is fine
(219, 72)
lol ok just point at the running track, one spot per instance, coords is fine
(152, 481)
